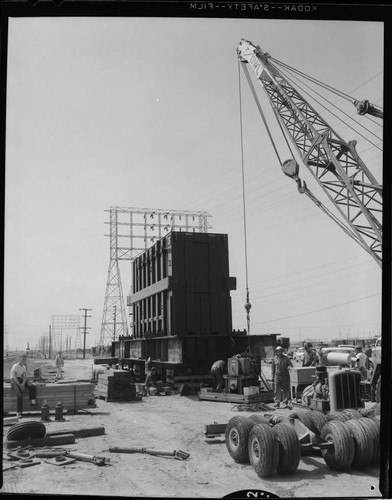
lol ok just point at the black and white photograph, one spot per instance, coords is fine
(195, 292)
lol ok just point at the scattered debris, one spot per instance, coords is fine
(178, 454)
(88, 458)
(60, 460)
(25, 462)
(252, 407)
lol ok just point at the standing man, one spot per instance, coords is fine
(18, 376)
(218, 369)
(360, 362)
(281, 378)
(59, 362)
(310, 356)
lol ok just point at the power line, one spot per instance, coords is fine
(317, 310)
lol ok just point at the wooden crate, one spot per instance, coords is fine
(115, 385)
(236, 398)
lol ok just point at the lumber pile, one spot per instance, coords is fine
(73, 396)
(115, 385)
(57, 440)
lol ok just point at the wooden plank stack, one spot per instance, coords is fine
(73, 396)
(115, 385)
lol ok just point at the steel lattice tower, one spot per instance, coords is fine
(141, 228)
(62, 322)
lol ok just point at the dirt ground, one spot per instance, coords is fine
(169, 423)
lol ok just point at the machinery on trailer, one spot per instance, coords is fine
(181, 310)
(245, 381)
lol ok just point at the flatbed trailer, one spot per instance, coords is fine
(225, 397)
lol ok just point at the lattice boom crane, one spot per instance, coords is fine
(334, 163)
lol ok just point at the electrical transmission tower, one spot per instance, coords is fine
(63, 322)
(140, 228)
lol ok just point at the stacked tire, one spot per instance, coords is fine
(303, 417)
(372, 428)
(275, 448)
(355, 437)
(363, 444)
(341, 455)
(269, 449)
(26, 430)
(317, 421)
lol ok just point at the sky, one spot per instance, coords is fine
(146, 112)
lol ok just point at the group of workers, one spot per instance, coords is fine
(280, 371)
(281, 364)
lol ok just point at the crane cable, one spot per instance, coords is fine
(314, 80)
(260, 111)
(247, 303)
(333, 114)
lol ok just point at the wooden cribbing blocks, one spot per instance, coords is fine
(45, 441)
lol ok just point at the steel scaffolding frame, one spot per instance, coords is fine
(62, 322)
(145, 226)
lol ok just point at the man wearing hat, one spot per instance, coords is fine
(310, 356)
(281, 378)
(360, 362)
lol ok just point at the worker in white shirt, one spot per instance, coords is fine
(360, 362)
(18, 376)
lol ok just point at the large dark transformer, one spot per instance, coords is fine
(181, 307)
(181, 287)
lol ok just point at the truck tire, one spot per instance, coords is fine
(318, 421)
(341, 456)
(373, 431)
(378, 390)
(364, 447)
(26, 430)
(352, 413)
(302, 417)
(236, 435)
(289, 448)
(337, 415)
(258, 419)
(365, 412)
(263, 450)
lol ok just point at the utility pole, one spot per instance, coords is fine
(85, 328)
(50, 342)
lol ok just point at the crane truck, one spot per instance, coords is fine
(334, 163)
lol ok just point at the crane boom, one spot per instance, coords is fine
(334, 163)
(365, 108)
